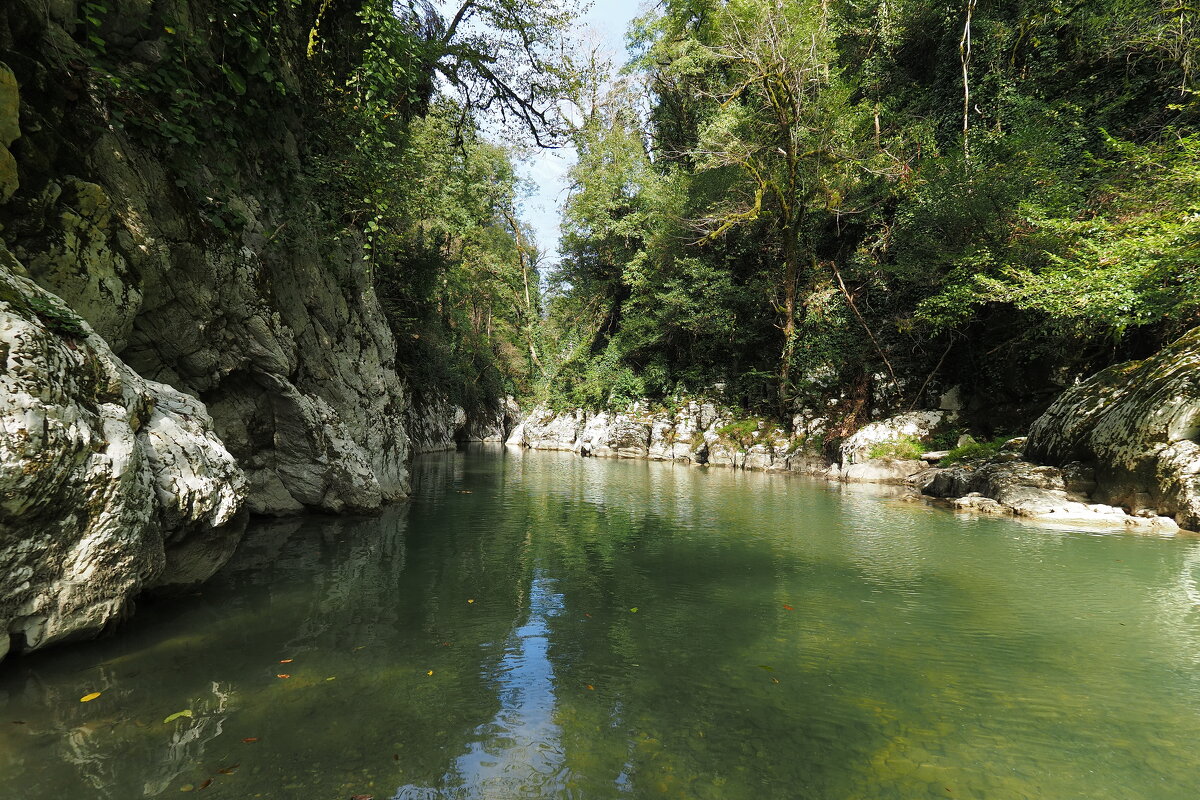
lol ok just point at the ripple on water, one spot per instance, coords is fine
(540, 625)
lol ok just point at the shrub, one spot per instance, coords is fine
(973, 451)
(908, 448)
(740, 431)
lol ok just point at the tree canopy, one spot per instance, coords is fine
(895, 196)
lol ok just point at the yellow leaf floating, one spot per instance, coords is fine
(87, 698)
(472, 600)
(187, 712)
(429, 673)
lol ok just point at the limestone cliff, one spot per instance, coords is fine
(182, 338)
(695, 433)
(109, 483)
(204, 267)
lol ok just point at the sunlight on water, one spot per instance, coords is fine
(538, 625)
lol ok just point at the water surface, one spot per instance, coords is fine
(542, 626)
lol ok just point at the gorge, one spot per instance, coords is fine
(260, 258)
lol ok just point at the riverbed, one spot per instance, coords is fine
(539, 625)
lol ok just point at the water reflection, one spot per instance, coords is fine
(518, 753)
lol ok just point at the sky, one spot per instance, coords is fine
(547, 169)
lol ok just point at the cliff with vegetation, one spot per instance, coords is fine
(862, 207)
(251, 261)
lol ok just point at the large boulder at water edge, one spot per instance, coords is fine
(109, 483)
(1139, 425)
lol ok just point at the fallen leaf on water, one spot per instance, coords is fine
(207, 783)
(471, 600)
(464, 491)
(286, 660)
(228, 770)
(429, 673)
(187, 712)
(633, 610)
(786, 607)
(586, 614)
(445, 644)
(250, 739)
(767, 667)
(593, 688)
(87, 698)
(187, 787)
(331, 678)
(283, 675)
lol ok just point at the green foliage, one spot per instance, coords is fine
(57, 320)
(189, 91)
(974, 451)
(741, 432)
(804, 209)
(946, 438)
(908, 448)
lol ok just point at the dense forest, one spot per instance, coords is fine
(785, 203)
(873, 201)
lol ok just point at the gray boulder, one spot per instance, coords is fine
(1138, 425)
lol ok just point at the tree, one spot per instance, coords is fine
(778, 126)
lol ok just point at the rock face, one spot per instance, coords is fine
(703, 433)
(442, 425)
(1138, 425)
(695, 433)
(910, 425)
(208, 270)
(9, 132)
(1008, 485)
(109, 483)
(183, 339)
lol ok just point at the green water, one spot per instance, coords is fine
(602, 629)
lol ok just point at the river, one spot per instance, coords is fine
(538, 625)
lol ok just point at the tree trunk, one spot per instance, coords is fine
(791, 277)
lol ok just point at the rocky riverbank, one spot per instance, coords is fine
(1121, 450)
(704, 433)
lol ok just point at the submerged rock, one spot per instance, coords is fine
(109, 483)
